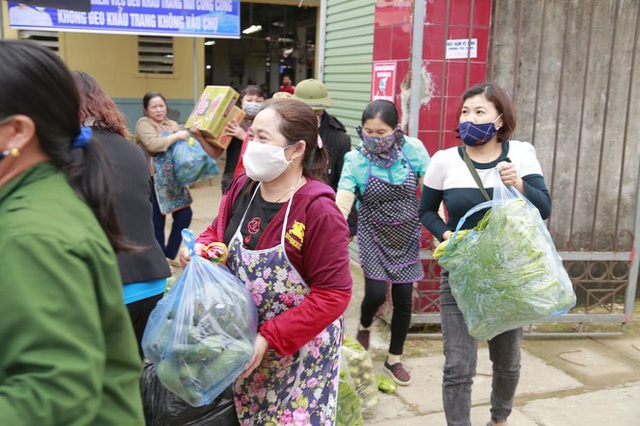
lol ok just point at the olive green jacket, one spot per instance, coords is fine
(67, 349)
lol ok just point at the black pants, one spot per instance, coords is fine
(181, 220)
(375, 294)
(139, 312)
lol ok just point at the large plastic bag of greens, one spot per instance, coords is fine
(361, 372)
(349, 412)
(200, 335)
(163, 408)
(506, 272)
(191, 163)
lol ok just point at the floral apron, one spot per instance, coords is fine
(300, 389)
(389, 230)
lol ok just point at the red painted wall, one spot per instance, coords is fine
(447, 78)
(444, 20)
(451, 19)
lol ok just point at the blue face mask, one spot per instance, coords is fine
(251, 109)
(477, 134)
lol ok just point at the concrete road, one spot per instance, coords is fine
(565, 382)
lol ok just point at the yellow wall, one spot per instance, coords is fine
(8, 32)
(113, 61)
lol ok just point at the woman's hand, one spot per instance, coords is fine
(446, 236)
(235, 130)
(259, 348)
(185, 256)
(180, 135)
(509, 175)
(213, 151)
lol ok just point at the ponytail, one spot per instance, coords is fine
(89, 173)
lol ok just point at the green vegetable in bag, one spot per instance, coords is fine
(361, 371)
(506, 272)
(200, 335)
(349, 411)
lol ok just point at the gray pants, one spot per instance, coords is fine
(460, 351)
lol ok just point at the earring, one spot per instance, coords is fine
(14, 152)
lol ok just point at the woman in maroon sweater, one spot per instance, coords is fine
(289, 243)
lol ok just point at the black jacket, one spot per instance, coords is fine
(132, 190)
(338, 143)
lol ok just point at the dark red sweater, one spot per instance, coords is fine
(322, 260)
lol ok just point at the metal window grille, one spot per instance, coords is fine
(155, 55)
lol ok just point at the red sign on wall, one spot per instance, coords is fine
(383, 83)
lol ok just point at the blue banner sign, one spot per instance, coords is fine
(187, 18)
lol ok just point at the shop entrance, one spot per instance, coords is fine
(276, 40)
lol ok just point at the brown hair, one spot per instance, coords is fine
(299, 122)
(97, 106)
(499, 98)
(252, 89)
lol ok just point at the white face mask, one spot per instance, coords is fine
(264, 162)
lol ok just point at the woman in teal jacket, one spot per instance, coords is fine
(68, 354)
(386, 170)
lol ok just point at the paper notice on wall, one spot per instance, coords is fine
(462, 48)
(383, 82)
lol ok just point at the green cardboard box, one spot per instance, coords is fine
(212, 114)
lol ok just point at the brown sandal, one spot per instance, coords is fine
(363, 338)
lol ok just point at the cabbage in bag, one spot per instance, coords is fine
(200, 335)
(361, 371)
(506, 272)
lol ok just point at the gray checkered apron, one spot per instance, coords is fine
(389, 230)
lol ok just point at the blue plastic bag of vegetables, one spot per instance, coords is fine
(191, 163)
(200, 335)
(505, 273)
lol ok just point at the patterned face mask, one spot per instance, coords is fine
(477, 134)
(382, 150)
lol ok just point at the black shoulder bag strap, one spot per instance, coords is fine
(474, 173)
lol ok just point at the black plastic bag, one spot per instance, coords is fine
(163, 408)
